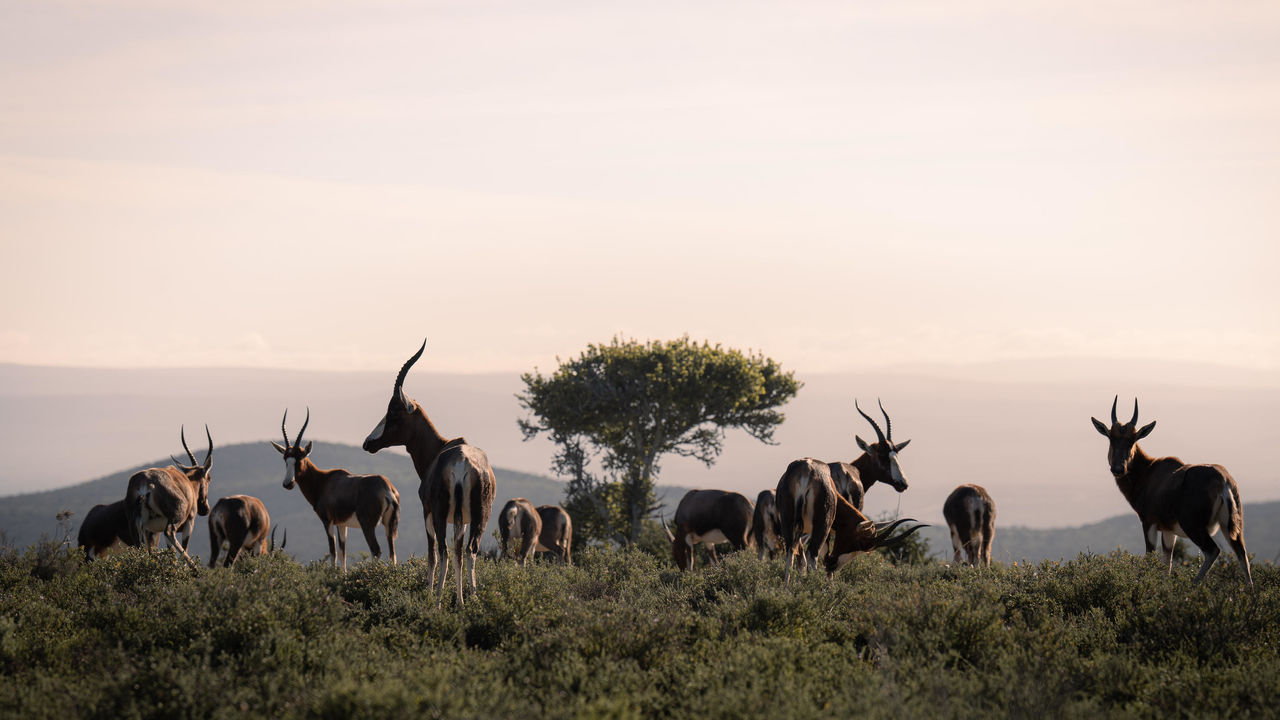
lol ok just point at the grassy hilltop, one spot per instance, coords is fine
(621, 634)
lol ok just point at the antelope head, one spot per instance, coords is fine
(883, 451)
(395, 428)
(1123, 438)
(293, 453)
(865, 538)
(198, 473)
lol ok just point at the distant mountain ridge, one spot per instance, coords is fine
(256, 469)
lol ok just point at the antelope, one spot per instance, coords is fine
(877, 463)
(557, 532)
(808, 504)
(240, 521)
(457, 485)
(105, 528)
(341, 499)
(709, 517)
(1174, 499)
(764, 525)
(971, 515)
(168, 499)
(519, 519)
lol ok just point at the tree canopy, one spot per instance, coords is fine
(631, 403)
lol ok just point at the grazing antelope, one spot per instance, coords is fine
(971, 515)
(105, 528)
(808, 504)
(557, 532)
(709, 517)
(240, 521)
(341, 499)
(519, 519)
(1172, 498)
(457, 484)
(764, 525)
(168, 499)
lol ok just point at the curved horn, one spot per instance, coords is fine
(888, 424)
(1114, 420)
(897, 539)
(879, 434)
(885, 529)
(184, 446)
(298, 442)
(405, 369)
(1134, 421)
(670, 536)
(208, 458)
(283, 431)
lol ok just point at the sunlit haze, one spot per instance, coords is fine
(840, 185)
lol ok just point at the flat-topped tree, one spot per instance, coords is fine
(631, 403)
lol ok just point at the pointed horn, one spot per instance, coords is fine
(298, 442)
(405, 369)
(1134, 421)
(670, 536)
(898, 539)
(208, 457)
(879, 435)
(184, 446)
(886, 529)
(1114, 420)
(888, 424)
(282, 430)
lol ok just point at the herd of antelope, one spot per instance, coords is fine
(815, 511)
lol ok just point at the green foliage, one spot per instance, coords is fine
(621, 633)
(630, 403)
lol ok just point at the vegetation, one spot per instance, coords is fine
(622, 634)
(631, 403)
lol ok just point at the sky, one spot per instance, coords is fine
(320, 185)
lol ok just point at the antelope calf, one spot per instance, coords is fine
(519, 519)
(240, 521)
(971, 515)
(1172, 498)
(557, 532)
(457, 485)
(341, 499)
(167, 500)
(105, 528)
(709, 517)
(764, 525)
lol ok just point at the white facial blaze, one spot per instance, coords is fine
(377, 432)
(290, 471)
(895, 472)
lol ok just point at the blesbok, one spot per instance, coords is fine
(764, 525)
(240, 521)
(519, 520)
(808, 504)
(878, 461)
(340, 498)
(105, 527)
(709, 517)
(167, 500)
(971, 516)
(1172, 498)
(457, 485)
(557, 532)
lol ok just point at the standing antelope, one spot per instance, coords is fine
(168, 499)
(877, 463)
(519, 519)
(808, 503)
(341, 499)
(105, 527)
(457, 484)
(709, 517)
(1172, 498)
(764, 525)
(557, 532)
(971, 515)
(240, 521)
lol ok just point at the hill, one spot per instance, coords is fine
(256, 469)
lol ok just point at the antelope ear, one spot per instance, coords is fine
(308, 450)
(1146, 430)
(899, 446)
(404, 400)
(279, 448)
(1102, 428)
(862, 444)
